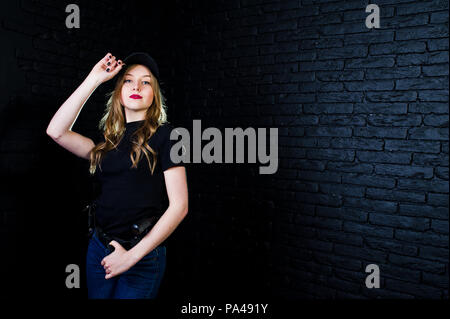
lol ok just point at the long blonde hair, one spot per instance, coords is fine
(113, 126)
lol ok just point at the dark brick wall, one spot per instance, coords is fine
(363, 123)
(363, 141)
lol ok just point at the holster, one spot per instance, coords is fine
(136, 232)
(90, 214)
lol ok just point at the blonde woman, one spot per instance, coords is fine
(134, 167)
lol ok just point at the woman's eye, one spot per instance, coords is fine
(126, 81)
(147, 82)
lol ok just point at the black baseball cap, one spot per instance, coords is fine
(144, 59)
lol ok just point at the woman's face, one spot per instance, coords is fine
(137, 93)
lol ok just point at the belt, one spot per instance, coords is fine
(138, 231)
(105, 239)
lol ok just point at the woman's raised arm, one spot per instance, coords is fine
(60, 127)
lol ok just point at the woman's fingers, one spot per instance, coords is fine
(110, 64)
(107, 57)
(116, 66)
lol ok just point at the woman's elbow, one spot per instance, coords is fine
(184, 209)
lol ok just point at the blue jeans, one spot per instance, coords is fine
(141, 281)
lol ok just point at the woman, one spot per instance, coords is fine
(132, 164)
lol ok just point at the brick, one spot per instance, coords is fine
(423, 6)
(343, 155)
(368, 180)
(358, 143)
(442, 172)
(344, 28)
(380, 132)
(342, 189)
(322, 87)
(321, 66)
(421, 83)
(435, 70)
(350, 167)
(371, 204)
(384, 108)
(361, 15)
(423, 32)
(417, 263)
(399, 22)
(370, 62)
(421, 59)
(394, 120)
(328, 108)
(434, 254)
(361, 252)
(308, 44)
(413, 146)
(342, 120)
(440, 226)
(438, 199)
(430, 159)
(428, 107)
(437, 44)
(403, 170)
(424, 238)
(398, 48)
(342, 53)
(382, 37)
(393, 73)
(379, 193)
(414, 223)
(423, 185)
(282, 120)
(390, 246)
(433, 95)
(384, 157)
(391, 96)
(423, 210)
(329, 131)
(344, 75)
(336, 97)
(374, 230)
(379, 85)
(436, 120)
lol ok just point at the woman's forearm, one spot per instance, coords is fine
(66, 115)
(165, 226)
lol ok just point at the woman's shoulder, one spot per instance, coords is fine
(165, 129)
(162, 133)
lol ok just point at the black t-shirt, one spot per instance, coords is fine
(129, 194)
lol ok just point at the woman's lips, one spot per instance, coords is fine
(135, 96)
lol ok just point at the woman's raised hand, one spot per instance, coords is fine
(106, 68)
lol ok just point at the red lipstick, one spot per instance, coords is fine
(135, 96)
